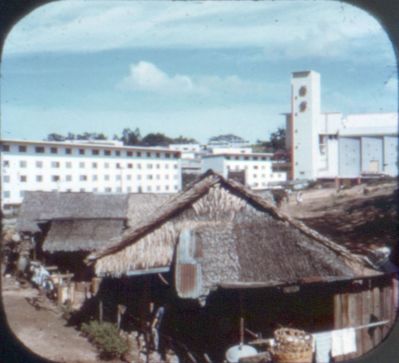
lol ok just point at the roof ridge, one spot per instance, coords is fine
(196, 190)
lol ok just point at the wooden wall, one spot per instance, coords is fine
(374, 300)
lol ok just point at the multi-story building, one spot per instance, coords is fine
(256, 168)
(190, 157)
(104, 167)
(330, 145)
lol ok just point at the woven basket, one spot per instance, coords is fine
(292, 346)
(292, 357)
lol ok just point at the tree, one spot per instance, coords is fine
(156, 139)
(228, 138)
(276, 141)
(184, 140)
(130, 137)
(55, 137)
(71, 136)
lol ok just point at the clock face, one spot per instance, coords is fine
(302, 91)
(302, 106)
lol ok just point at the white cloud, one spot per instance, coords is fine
(146, 76)
(282, 28)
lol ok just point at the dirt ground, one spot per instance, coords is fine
(43, 330)
(361, 218)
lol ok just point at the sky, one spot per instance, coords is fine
(197, 69)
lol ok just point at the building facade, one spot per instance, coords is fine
(190, 157)
(331, 145)
(102, 167)
(256, 167)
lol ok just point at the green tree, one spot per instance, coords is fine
(275, 143)
(55, 137)
(184, 140)
(156, 139)
(130, 137)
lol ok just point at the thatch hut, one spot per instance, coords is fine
(220, 246)
(68, 226)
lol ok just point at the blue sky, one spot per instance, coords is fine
(196, 69)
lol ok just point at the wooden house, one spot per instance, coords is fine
(218, 251)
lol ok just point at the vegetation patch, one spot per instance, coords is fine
(105, 336)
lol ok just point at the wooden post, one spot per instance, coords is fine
(100, 311)
(120, 311)
(118, 318)
(95, 285)
(72, 292)
(241, 331)
(59, 294)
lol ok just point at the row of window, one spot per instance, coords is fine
(94, 165)
(129, 189)
(247, 157)
(271, 176)
(69, 178)
(246, 167)
(94, 152)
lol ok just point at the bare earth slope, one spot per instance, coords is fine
(360, 218)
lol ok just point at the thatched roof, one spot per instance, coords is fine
(45, 206)
(70, 235)
(212, 199)
(141, 205)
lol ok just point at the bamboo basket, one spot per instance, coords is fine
(292, 346)
(292, 357)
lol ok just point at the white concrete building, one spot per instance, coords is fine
(103, 167)
(228, 150)
(330, 145)
(257, 168)
(190, 157)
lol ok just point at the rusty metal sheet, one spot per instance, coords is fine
(188, 280)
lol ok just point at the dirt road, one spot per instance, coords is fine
(44, 331)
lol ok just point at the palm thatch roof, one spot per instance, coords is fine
(141, 205)
(44, 206)
(38, 207)
(226, 209)
(71, 235)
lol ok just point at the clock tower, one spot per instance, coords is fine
(305, 114)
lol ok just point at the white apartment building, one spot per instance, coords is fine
(103, 167)
(257, 168)
(190, 157)
(330, 145)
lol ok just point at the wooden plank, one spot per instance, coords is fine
(345, 318)
(366, 310)
(337, 312)
(359, 308)
(390, 307)
(376, 332)
(386, 309)
(338, 298)
(395, 281)
(353, 319)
